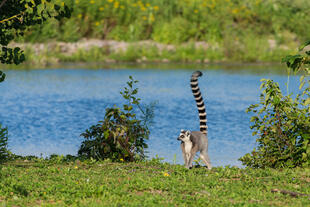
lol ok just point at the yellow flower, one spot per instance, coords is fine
(147, 5)
(92, 1)
(110, 1)
(97, 23)
(166, 174)
(116, 5)
(143, 8)
(122, 160)
(75, 167)
(196, 11)
(80, 16)
(122, 7)
(76, 1)
(62, 3)
(44, 193)
(235, 11)
(144, 18)
(101, 8)
(156, 8)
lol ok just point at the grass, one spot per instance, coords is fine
(151, 183)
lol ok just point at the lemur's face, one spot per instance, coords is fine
(184, 136)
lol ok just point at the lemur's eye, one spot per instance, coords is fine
(182, 136)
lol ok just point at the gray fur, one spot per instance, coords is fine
(199, 143)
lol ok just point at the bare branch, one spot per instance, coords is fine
(2, 3)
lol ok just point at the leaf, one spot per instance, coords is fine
(304, 45)
(307, 102)
(2, 76)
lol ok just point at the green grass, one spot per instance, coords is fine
(151, 183)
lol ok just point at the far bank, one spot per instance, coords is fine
(110, 52)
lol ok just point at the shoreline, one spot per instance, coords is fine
(110, 52)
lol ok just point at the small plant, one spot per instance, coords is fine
(282, 123)
(4, 153)
(121, 135)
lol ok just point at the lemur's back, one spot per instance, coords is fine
(200, 139)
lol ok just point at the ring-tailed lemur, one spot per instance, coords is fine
(192, 142)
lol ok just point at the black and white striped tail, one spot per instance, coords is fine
(199, 101)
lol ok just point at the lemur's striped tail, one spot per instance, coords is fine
(199, 101)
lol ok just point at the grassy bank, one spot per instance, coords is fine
(198, 31)
(105, 51)
(151, 183)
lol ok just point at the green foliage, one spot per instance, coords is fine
(282, 123)
(18, 15)
(121, 135)
(178, 30)
(235, 30)
(199, 20)
(3, 144)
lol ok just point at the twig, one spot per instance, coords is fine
(2, 3)
(291, 193)
(13, 17)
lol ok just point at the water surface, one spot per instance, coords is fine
(47, 110)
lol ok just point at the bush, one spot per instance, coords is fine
(3, 144)
(121, 135)
(176, 31)
(282, 123)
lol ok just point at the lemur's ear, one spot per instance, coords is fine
(187, 133)
(182, 131)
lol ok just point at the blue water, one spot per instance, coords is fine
(47, 110)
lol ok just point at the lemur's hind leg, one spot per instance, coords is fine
(205, 158)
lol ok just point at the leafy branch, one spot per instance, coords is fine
(282, 123)
(121, 135)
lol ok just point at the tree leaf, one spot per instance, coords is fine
(304, 45)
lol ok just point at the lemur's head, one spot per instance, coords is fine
(184, 136)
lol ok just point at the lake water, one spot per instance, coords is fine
(47, 110)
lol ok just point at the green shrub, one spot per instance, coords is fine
(282, 123)
(176, 31)
(121, 135)
(3, 144)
